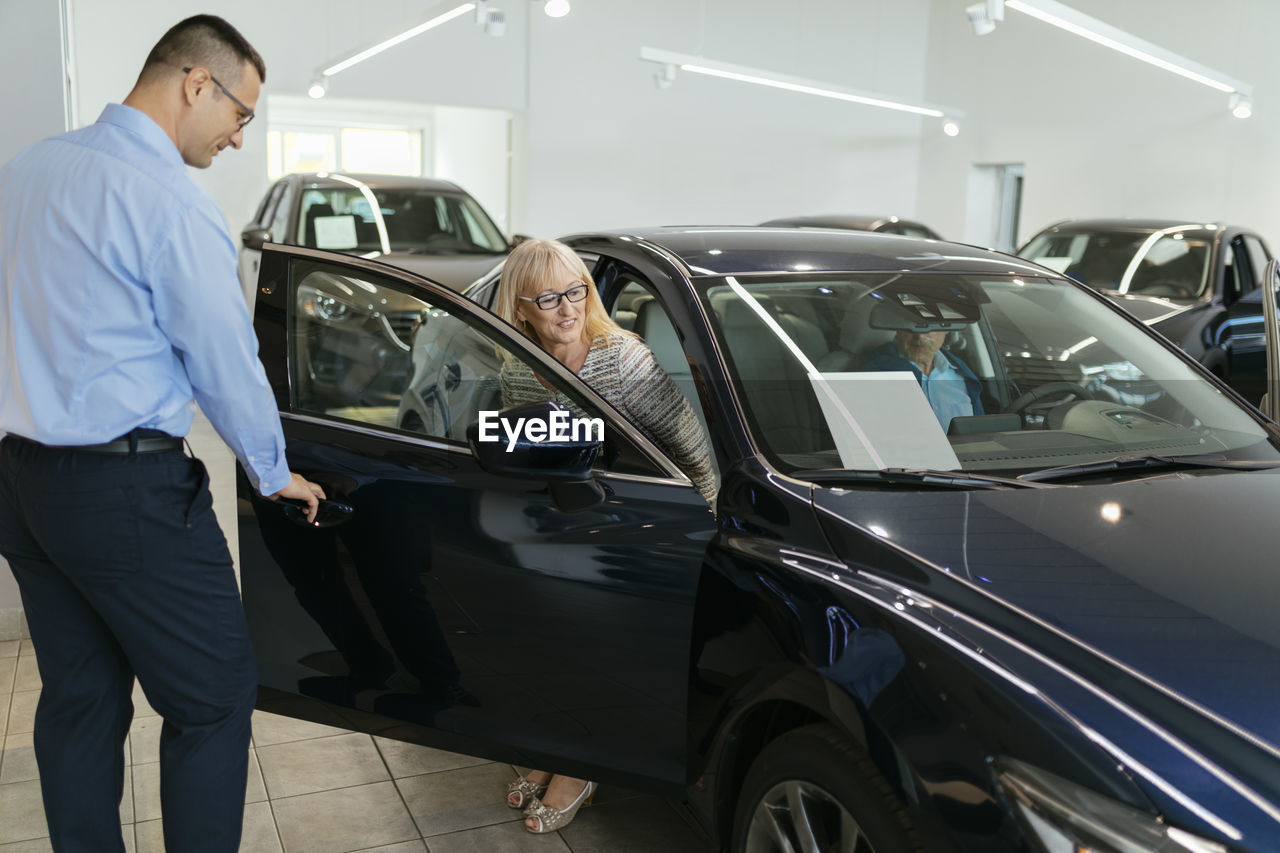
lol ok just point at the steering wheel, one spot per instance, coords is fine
(1048, 389)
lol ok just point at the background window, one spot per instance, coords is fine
(396, 152)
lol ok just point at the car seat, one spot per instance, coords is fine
(314, 212)
(655, 329)
(775, 382)
(857, 339)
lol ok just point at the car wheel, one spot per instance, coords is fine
(812, 790)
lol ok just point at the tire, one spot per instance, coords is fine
(811, 791)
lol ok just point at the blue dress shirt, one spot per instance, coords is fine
(119, 300)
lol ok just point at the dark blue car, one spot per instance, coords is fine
(1196, 283)
(1045, 626)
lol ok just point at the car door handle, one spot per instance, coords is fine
(330, 513)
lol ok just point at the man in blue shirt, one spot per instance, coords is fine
(119, 303)
(950, 386)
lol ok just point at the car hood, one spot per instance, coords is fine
(453, 271)
(1149, 309)
(1181, 588)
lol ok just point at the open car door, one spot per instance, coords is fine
(451, 606)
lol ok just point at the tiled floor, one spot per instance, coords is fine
(316, 789)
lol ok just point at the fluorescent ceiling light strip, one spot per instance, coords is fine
(397, 39)
(1078, 23)
(810, 90)
(758, 77)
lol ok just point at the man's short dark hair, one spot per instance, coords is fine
(207, 41)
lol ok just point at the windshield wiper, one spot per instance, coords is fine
(916, 476)
(1151, 462)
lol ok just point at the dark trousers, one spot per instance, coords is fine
(124, 571)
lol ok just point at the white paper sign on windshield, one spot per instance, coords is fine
(882, 420)
(336, 232)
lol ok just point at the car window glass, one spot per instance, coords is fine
(1096, 259)
(1037, 374)
(280, 216)
(374, 351)
(1174, 266)
(474, 229)
(1232, 282)
(1257, 258)
(263, 216)
(636, 309)
(410, 219)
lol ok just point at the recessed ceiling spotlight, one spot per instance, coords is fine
(556, 8)
(950, 127)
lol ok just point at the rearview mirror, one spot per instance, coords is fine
(904, 312)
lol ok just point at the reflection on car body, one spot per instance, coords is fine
(1196, 283)
(881, 224)
(1010, 634)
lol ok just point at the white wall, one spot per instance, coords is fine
(30, 52)
(472, 148)
(1102, 134)
(599, 145)
(31, 68)
(604, 147)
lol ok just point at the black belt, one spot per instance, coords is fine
(124, 444)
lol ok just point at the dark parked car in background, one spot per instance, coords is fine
(1196, 283)
(424, 225)
(1009, 634)
(881, 224)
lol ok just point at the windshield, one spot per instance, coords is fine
(1172, 263)
(960, 372)
(388, 219)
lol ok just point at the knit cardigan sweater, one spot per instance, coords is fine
(622, 369)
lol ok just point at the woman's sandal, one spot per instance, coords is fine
(549, 819)
(522, 792)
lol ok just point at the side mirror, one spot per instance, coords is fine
(535, 441)
(253, 238)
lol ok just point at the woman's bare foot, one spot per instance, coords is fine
(536, 778)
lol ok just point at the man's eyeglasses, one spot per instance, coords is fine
(548, 301)
(239, 103)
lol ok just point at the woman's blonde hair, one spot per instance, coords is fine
(536, 266)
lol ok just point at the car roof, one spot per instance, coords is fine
(838, 220)
(377, 181)
(1126, 224)
(743, 250)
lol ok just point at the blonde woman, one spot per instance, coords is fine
(547, 293)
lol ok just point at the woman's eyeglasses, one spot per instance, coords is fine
(549, 301)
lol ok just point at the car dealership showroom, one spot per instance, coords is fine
(694, 362)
